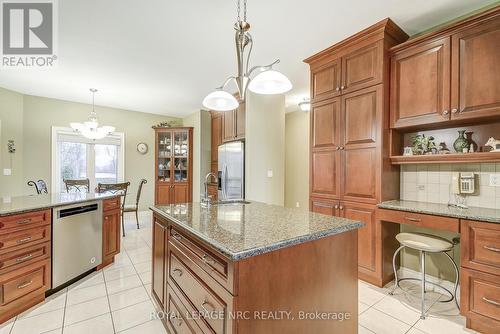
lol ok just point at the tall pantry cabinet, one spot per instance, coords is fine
(350, 171)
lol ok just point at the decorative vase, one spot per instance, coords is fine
(461, 142)
(471, 141)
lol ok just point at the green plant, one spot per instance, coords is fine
(423, 144)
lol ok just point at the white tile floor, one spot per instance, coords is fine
(117, 300)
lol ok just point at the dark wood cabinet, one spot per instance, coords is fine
(174, 165)
(326, 81)
(216, 135)
(111, 234)
(159, 261)
(475, 84)
(233, 124)
(420, 84)
(362, 67)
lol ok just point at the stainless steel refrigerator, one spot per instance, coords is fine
(231, 171)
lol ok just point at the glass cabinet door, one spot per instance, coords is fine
(164, 156)
(181, 161)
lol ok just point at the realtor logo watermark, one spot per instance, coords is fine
(28, 33)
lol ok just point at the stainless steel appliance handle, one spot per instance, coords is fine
(225, 181)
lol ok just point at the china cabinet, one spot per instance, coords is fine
(173, 165)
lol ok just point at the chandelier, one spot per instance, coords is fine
(90, 129)
(267, 81)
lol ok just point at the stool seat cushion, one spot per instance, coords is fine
(424, 242)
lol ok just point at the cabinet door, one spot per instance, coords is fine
(228, 126)
(111, 234)
(325, 81)
(325, 124)
(359, 174)
(325, 173)
(180, 193)
(366, 235)
(420, 84)
(326, 207)
(163, 193)
(362, 68)
(476, 72)
(158, 273)
(216, 136)
(240, 115)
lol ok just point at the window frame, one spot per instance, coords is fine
(58, 132)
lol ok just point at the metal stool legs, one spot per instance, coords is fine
(396, 280)
(457, 278)
(422, 293)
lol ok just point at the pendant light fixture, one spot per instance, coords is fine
(90, 129)
(266, 81)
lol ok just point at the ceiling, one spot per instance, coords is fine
(163, 57)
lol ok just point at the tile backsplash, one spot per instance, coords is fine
(432, 183)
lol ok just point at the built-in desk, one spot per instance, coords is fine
(479, 256)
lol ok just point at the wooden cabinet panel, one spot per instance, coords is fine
(359, 175)
(480, 246)
(366, 235)
(179, 321)
(21, 257)
(325, 124)
(158, 272)
(325, 81)
(361, 113)
(362, 68)
(323, 206)
(22, 221)
(111, 204)
(476, 71)
(325, 171)
(111, 234)
(163, 193)
(24, 238)
(180, 193)
(216, 135)
(240, 121)
(420, 84)
(228, 128)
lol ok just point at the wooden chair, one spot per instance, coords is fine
(135, 207)
(116, 188)
(77, 185)
(40, 186)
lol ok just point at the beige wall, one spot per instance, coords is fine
(39, 114)
(265, 148)
(297, 159)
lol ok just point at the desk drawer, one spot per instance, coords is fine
(481, 246)
(481, 297)
(24, 238)
(111, 204)
(219, 269)
(21, 257)
(418, 219)
(9, 224)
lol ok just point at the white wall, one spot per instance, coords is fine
(265, 148)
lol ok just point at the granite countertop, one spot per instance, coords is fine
(472, 213)
(239, 231)
(18, 204)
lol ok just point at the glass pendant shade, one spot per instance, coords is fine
(270, 82)
(220, 100)
(90, 129)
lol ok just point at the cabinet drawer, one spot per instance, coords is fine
(217, 268)
(180, 319)
(21, 257)
(480, 295)
(25, 238)
(325, 206)
(422, 220)
(8, 224)
(19, 283)
(481, 246)
(200, 296)
(111, 204)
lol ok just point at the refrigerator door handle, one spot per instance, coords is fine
(225, 181)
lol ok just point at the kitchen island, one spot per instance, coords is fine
(254, 268)
(28, 242)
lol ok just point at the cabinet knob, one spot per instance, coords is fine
(336, 206)
(341, 147)
(337, 89)
(446, 112)
(341, 207)
(342, 87)
(454, 110)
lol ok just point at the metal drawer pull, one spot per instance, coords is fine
(25, 258)
(177, 236)
(159, 225)
(24, 221)
(493, 249)
(178, 272)
(207, 259)
(413, 219)
(492, 302)
(24, 285)
(24, 240)
(323, 205)
(205, 303)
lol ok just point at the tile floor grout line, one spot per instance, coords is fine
(64, 312)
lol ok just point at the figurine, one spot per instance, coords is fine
(494, 144)
(443, 149)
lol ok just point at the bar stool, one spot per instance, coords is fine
(425, 243)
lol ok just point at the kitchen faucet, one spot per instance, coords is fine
(206, 200)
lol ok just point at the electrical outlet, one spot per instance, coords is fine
(495, 180)
(270, 173)
(7, 171)
(297, 205)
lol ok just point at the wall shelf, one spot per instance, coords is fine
(446, 158)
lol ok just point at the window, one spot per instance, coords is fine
(76, 157)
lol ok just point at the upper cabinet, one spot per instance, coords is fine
(475, 85)
(447, 75)
(325, 81)
(233, 124)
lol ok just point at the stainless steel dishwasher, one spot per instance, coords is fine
(76, 240)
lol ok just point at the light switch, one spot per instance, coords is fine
(269, 173)
(495, 180)
(7, 171)
(297, 205)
